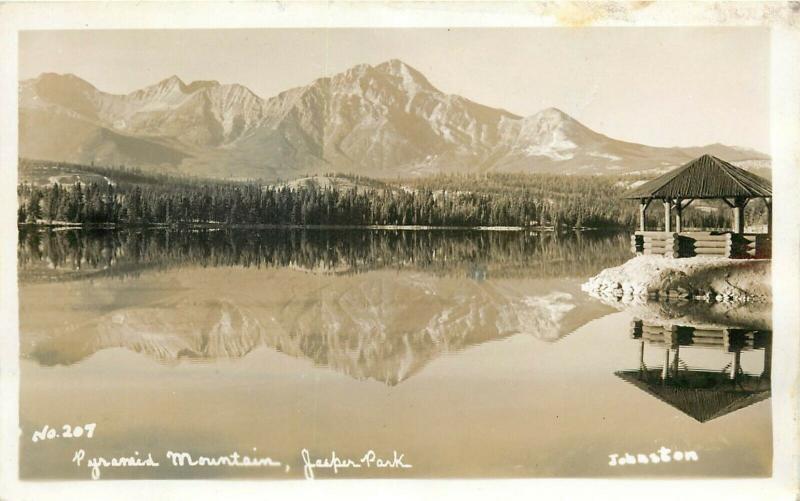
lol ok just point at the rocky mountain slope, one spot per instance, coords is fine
(386, 120)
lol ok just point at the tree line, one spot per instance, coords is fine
(445, 200)
(134, 204)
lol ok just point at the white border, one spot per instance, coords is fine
(782, 18)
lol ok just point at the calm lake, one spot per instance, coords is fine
(472, 354)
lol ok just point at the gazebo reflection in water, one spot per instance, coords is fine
(702, 393)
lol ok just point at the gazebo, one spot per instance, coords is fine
(702, 393)
(706, 177)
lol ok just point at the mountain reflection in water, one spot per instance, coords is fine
(371, 304)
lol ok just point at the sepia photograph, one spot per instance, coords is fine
(342, 253)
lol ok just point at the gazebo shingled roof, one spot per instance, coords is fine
(704, 177)
(702, 404)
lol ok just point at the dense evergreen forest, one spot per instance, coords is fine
(129, 197)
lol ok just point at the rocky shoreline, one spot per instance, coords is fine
(710, 279)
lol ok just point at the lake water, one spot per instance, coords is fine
(472, 354)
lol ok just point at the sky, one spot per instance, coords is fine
(656, 86)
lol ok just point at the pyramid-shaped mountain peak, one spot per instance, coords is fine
(381, 120)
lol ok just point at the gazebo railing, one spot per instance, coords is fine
(702, 243)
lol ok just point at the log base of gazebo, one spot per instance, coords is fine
(702, 243)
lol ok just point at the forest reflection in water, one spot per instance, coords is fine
(47, 254)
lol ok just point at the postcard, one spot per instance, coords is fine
(252, 247)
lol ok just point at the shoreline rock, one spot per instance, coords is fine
(702, 278)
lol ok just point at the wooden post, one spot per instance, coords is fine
(768, 202)
(667, 215)
(738, 219)
(735, 363)
(738, 215)
(642, 215)
(678, 212)
(675, 359)
(641, 356)
(767, 372)
(666, 365)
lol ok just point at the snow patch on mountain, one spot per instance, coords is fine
(608, 156)
(558, 148)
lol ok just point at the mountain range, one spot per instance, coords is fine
(385, 120)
